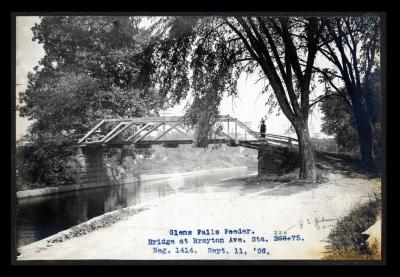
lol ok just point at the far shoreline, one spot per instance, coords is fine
(143, 178)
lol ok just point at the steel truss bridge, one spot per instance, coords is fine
(171, 131)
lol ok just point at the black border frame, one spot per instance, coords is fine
(13, 199)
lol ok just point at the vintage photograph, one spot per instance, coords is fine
(199, 137)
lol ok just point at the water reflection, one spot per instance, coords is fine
(40, 217)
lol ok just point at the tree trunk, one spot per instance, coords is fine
(307, 163)
(202, 131)
(200, 138)
(364, 130)
(377, 141)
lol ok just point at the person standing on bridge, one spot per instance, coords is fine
(263, 129)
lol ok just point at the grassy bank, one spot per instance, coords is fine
(346, 241)
(186, 158)
(95, 223)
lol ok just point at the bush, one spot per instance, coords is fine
(41, 162)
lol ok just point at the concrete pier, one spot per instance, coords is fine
(87, 166)
(274, 159)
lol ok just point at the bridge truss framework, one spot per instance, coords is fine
(138, 131)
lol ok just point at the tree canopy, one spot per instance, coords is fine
(337, 121)
(89, 72)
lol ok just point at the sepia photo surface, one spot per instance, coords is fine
(237, 137)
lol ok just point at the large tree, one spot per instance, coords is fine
(351, 44)
(203, 54)
(338, 119)
(89, 72)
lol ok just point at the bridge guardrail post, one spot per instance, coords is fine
(236, 136)
(229, 133)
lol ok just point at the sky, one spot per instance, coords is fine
(28, 54)
(249, 106)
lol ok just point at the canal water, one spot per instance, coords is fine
(43, 216)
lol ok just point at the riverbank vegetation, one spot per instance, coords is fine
(346, 240)
(95, 224)
(159, 160)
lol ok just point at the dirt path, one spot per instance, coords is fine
(308, 210)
